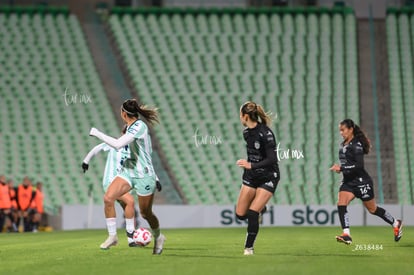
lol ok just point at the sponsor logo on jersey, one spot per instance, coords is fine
(270, 184)
(344, 148)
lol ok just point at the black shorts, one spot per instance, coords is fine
(361, 190)
(268, 184)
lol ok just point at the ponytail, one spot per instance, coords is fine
(264, 117)
(133, 109)
(150, 114)
(256, 113)
(358, 134)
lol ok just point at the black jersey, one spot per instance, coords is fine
(351, 156)
(261, 153)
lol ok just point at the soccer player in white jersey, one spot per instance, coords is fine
(137, 170)
(113, 165)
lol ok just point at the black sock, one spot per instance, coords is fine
(343, 216)
(382, 213)
(252, 227)
(26, 223)
(241, 217)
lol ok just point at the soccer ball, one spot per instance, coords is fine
(142, 236)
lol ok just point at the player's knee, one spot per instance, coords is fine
(372, 210)
(108, 199)
(129, 201)
(241, 217)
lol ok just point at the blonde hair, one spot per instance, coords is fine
(256, 112)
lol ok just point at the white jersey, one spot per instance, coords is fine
(114, 163)
(139, 163)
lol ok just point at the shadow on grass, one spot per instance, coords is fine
(405, 245)
(318, 255)
(170, 252)
(201, 256)
(185, 249)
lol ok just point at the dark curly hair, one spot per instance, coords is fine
(358, 134)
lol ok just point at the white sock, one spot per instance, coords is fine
(395, 224)
(130, 225)
(111, 226)
(156, 233)
(347, 231)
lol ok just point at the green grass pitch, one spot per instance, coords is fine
(278, 250)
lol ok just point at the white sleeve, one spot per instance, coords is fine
(156, 178)
(113, 142)
(93, 152)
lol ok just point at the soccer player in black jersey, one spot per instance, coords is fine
(356, 181)
(261, 170)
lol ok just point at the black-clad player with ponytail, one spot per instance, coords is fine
(261, 170)
(356, 181)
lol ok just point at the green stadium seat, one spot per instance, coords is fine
(43, 55)
(399, 41)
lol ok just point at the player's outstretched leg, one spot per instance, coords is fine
(159, 244)
(127, 204)
(398, 230)
(145, 205)
(116, 189)
(345, 237)
(344, 198)
(386, 216)
(252, 230)
(112, 239)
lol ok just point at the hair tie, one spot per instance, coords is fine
(128, 112)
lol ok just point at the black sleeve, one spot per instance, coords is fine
(357, 162)
(270, 149)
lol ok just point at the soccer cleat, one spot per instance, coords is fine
(398, 231)
(110, 241)
(129, 235)
(344, 238)
(134, 244)
(159, 244)
(248, 251)
(130, 239)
